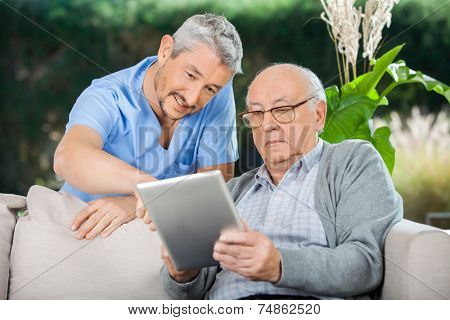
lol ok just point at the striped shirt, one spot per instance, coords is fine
(286, 214)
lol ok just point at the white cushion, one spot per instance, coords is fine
(417, 262)
(8, 202)
(48, 262)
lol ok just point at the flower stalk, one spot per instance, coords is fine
(344, 22)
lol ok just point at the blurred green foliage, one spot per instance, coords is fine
(53, 49)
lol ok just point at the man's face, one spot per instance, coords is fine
(185, 84)
(275, 141)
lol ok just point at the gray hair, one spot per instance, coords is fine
(216, 32)
(316, 85)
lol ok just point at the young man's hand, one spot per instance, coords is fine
(141, 212)
(103, 216)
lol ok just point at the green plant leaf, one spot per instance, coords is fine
(381, 142)
(351, 107)
(352, 88)
(401, 74)
(366, 83)
(363, 132)
(346, 116)
(332, 94)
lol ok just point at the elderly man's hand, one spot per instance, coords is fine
(141, 212)
(104, 216)
(250, 254)
(181, 276)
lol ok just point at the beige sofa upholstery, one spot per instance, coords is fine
(8, 205)
(45, 261)
(417, 262)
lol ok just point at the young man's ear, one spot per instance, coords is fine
(165, 48)
(321, 115)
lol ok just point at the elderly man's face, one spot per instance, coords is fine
(275, 141)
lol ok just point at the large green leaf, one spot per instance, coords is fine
(352, 88)
(363, 132)
(332, 94)
(346, 115)
(401, 74)
(380, 140)
(366, 83)
(351, 107)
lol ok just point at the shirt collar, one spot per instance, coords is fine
(310, 159)
(303, 165)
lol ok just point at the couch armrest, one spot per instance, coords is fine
(8, 204)
(417, 262)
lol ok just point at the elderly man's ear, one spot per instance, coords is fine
(321, 114)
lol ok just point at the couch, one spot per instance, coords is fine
(41, 259)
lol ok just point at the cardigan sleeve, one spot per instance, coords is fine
(196, 289)
(367, 207)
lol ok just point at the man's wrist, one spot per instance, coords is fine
(185, 279)
(277, 271)
(143, 177)
(140, 178)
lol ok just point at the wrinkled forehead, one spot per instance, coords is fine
(278, 87)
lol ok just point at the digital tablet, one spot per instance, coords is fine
(190, 212)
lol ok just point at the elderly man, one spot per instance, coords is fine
(171, 114)
(317, 214)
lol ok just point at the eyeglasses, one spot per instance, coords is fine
(284, 114)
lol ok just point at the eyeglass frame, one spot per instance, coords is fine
(242, 114)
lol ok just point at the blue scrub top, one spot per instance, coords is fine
(115, 106)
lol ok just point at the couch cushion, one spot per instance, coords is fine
(48, 262)
(8, 204)
(417, 262)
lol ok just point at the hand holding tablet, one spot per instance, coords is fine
(190, 213)
(181, 276)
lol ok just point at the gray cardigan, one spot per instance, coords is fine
(357, 204)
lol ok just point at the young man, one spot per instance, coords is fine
(170, 115)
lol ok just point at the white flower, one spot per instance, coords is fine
(344, 21)
(377, 14)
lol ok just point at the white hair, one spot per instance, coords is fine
(216, 32)
(315, 84)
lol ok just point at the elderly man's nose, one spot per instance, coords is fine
(269, 122)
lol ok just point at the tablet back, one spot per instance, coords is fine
(190, 212)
